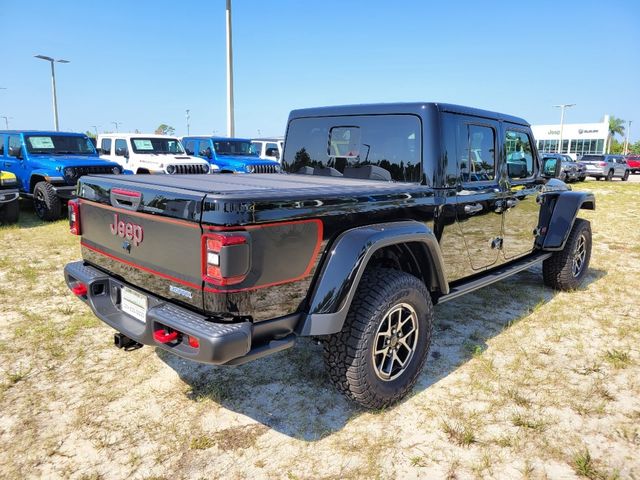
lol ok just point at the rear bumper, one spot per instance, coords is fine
(595, 171)
(219, 343)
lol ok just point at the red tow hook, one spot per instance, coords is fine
(79, 289)
(163, 336)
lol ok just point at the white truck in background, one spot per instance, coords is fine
(142, 153)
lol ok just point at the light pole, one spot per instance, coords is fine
(117, 124)
(626, 143)
(188, 117)
(6, 121)
(53, 85)
(562, 107)
(95, 129)
(230, 121)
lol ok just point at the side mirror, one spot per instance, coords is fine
(551, 167)
(15, 152)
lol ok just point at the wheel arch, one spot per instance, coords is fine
(565, 207)
(36, 177)
(408, 246)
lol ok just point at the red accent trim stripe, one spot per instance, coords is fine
(126, 193)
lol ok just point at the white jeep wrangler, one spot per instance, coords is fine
(142, 153)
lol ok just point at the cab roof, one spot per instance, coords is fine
(40, 132)
(215, 138)
(414, 108)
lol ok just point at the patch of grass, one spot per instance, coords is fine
(529, 422)
(230, 439)
(617, 358)
(460, 434)
(584, 465)
(518, 398)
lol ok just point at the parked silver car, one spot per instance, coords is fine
(606, 166)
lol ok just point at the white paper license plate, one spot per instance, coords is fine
(134, 303)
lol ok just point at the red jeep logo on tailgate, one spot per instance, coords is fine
(127, 230)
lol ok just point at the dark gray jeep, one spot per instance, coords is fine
(386, 211)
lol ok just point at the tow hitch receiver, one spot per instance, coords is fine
(122, 341)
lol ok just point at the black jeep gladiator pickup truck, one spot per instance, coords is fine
(386, 210)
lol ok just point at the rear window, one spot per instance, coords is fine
(382, 147)
(592, 158)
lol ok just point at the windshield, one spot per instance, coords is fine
(156, 145)
(59, 144)
(235, 147)
(591, 158)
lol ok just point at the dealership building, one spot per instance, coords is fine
(577, 138)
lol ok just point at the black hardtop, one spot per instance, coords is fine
(408, 108)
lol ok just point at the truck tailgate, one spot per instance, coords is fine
(146, 236)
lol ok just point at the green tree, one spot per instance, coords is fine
(90, 134)
(165, 129)
(616, 126)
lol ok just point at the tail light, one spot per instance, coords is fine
(74, 217)
(603, 164)
(225, 258)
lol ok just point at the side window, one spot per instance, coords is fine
(14, 141)
(271, 150)
(204, 148)
(189, 147)
(478, 158)
(105, 146)
(2, 146)
(121, 146)
(518, 154)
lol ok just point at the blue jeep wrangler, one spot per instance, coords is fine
(48, 165)
(230, 155)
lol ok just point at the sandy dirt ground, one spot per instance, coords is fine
(521, 382)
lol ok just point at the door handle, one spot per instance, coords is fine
(474, 208)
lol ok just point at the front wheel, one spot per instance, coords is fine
(565, 269)
(377, 357)
(45, 202)
(625, 177)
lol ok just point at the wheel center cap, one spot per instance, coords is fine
(394, 341)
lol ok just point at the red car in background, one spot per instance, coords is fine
(634, 163)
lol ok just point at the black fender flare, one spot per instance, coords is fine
(345, 263)
(563, 216)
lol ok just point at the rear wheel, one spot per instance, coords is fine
(377, 357)
(45, 202)
(609, 176)
(625, 177)
(565, 269)
(9, 212)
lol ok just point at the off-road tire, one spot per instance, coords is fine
(348, 354)
(46, 203)
(557, 270)
(609, 176)
(9, 212)
(625, 177)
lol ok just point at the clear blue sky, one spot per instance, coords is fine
(143, 63)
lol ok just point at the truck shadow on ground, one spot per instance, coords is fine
(290, 391)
